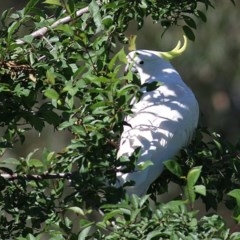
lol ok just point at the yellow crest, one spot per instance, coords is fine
(178, 50)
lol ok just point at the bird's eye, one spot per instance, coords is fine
(141, 62)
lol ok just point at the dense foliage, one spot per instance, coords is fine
(70, 76)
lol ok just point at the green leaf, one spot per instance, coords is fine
(152, 86)
(218, 146)
(143, 165)
(121, 55)
(154, 234)
(53, 2)
(67, 124)
(193, 175)
(107, 21)
(30, 5)
(76, 210)
(5, 15)
(13, 28)
(190, 193)
(31, 154)
(112, 214)
(143, 200)
(201, 15)
(28, 38)
(200, 189)
(190, 189)
(134, 199)
(135, 215)
(95, 13)
(235, 194)
(85, 233)
(66, 29)
(188, 32)
(70, 7)
(143, 4)
(34, 163)
(51, 93)
(79, 130)
(189, 21)
(174, 205)
(174, 167)
(101, 110)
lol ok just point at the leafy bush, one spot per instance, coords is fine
(68, 74)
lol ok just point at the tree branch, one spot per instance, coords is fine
(42, 31)
(29, 177)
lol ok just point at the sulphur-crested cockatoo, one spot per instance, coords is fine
(162, 121)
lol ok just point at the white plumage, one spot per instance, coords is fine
(162, 121)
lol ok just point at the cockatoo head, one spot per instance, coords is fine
(147, 62)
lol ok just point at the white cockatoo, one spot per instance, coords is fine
(162, 121)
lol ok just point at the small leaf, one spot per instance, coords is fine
(193, 175)
(200, 189)
(143, 200)
(53, 2)
(29, 237)
(66, 29)
(28, 38)
(134, 201)
(188, 32)
(85, 233)
(95, 12)
(111, 214)
(13, 28)
(218, 145)
(69, 6)
(135, 215)
(190, 22)
(235, 194)
(174, 167)
(143, 4)
(50, 77)
(79, 130)
(76, 210)
(51, 93)
(107, 21)
(5, 15)
(34, 163)
(152, 86)
(174, 205)
(30, 5)
(120, 55)
(201, 15)
(190, 193)
(154, 234)
(143, 165)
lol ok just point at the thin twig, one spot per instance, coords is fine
(29, 177)
(42, 31)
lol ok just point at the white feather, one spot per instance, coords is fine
(161, 123)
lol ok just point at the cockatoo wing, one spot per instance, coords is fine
(162, 122)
